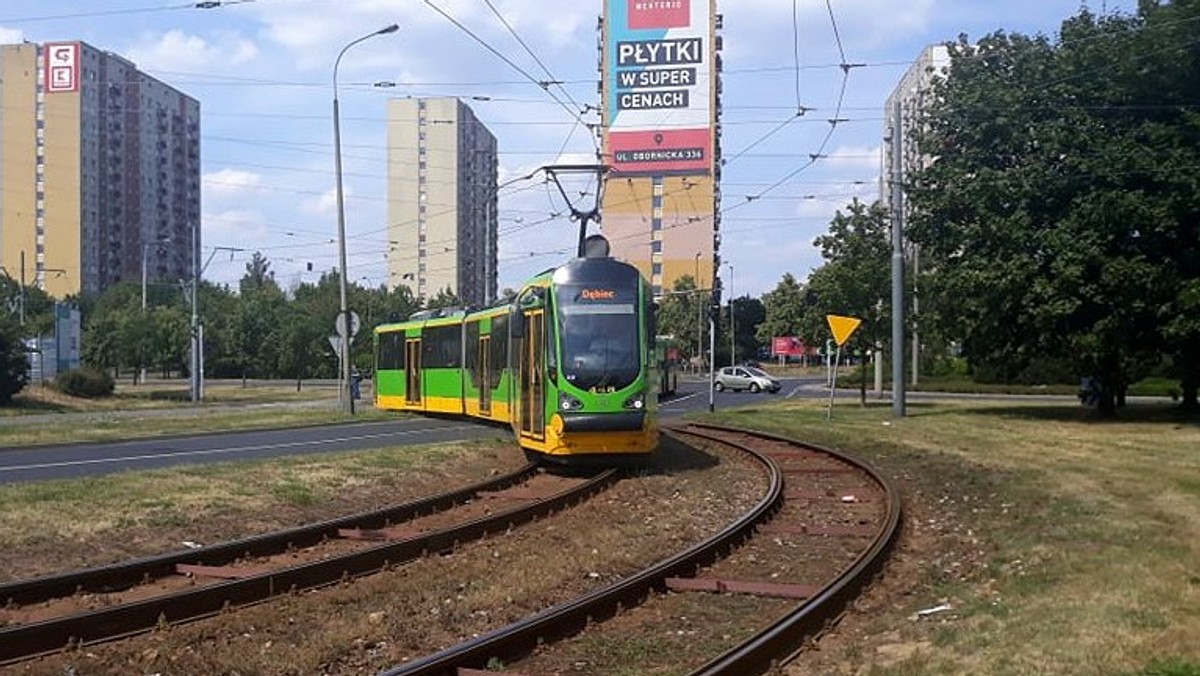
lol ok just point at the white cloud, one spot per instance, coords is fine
(226, 182)
(855, 157)
(11, 36)
(236, 227)
(177, 51)
(326, 203)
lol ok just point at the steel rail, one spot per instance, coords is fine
(118, 576)
(518, 639)
(25, 641)
(757, 655)
(780, 641)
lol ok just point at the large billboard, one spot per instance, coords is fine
(62, 66)
(658, 86)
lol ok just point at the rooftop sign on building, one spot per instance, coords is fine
(62, 66)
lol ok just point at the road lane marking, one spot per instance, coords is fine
(683, 398)
(236, 449)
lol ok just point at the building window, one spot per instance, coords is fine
(656, 268)
(656, 246)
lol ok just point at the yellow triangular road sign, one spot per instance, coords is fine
(842, 327)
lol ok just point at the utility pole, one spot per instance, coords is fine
(22, 297)
(196, 380)
(699, 316)
(897, 208)
(732, 332)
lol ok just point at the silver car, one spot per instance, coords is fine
(744, 378)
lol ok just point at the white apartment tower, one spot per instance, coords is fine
(442, 202)
(904, 112)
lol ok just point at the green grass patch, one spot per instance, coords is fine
(1171, 668)
(1065, 544)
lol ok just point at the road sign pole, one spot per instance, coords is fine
(833, 383)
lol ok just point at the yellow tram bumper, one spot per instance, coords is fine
(561, 442)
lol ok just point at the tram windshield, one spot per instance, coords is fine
(598, 330)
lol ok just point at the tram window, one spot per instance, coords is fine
(499, 346)
(472, 359)
(551, 341)
(391, 351)
(442, 347)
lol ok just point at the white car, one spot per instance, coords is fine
(745, 378)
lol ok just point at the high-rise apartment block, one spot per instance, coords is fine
(904, 114)
(442, 201)
(99, 170)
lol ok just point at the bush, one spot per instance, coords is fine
(86, 382)
(14, 365)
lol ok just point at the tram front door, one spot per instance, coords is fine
(484, 363)
(533, 368)
(412, 382)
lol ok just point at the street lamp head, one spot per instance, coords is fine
(392, 28)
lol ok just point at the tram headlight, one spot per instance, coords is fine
(568, 403)
(636, 402)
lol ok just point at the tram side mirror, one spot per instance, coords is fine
(516, 322)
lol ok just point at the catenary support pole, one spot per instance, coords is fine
(897, 209)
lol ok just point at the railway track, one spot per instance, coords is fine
(858, 513)
(56, 612)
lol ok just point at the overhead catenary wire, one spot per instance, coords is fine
(544, 85)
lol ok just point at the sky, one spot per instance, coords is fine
(263, 73)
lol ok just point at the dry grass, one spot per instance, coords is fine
(158, 409)
(1064, 544)
(382, 620)
(38, 399)
(56, 525)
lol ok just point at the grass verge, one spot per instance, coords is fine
(61, 524)
(1062, 544)
(147, 412)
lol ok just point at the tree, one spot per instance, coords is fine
(1055, 220)
(679, 316)
(14, 362)
(748, 314)
(445, 298)
(785, 310)
(35, 304)
(855, 279)
(258, 331)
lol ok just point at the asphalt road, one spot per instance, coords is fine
(693, 395)
(79, 460)
(72, 461)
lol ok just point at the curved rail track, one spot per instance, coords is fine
(800, 477)
(124, 604)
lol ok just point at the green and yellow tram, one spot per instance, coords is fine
(570, 364)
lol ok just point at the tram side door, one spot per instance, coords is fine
(484, 364)
(533, 366)
(412, 383)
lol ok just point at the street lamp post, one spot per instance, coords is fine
(732, 333)
(343, 309)
(196, 384)
(699, 316)
(145, 255)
